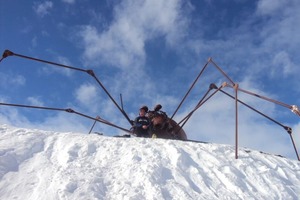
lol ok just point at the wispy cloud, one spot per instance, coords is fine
(12, 116)
(6, 80)
(69, 1)
(35, 101)
(269, 7)
(43, 8)
(123, 43)
(86, 93)
(265, 40)
(64, 71)
(283, 65)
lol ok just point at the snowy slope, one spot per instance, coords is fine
(37, 165)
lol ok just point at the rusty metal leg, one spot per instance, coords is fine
(294, 146)
(236, 120)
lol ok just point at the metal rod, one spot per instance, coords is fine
(69, 110)
(111, 98)
(27, 106)
(250, 107)
(198, 106)
(121, 99)
(224, 74)
(265, 98)
(189, 90)
(93, 126)
(48, 62)
(236, 86)
(288, 129)
(103, 121)
(212, 86)
(90, 72)
(209, 61)
(293, 108)
(294, 146)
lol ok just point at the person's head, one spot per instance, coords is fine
(143, 110)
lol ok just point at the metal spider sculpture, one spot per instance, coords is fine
(165, 126)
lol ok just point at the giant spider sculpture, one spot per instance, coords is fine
(162, 125)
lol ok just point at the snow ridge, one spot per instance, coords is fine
(36, 164)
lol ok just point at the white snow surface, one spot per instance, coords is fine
(42, 165)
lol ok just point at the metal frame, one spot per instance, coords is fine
(203, 100)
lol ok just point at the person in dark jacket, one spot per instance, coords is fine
(141, 123)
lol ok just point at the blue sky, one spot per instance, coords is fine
(151, 52)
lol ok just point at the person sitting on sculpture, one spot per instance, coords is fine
(141, 123)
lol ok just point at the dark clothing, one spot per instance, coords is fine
(138, 129)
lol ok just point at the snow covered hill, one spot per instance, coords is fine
(37, 165)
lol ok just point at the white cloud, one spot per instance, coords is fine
(279, 38)
(18, 80)
(65, 61)
(47, 120)
(65, 122)
(86, 93)
(135, 22)
(35, 101)
(43, 9)
(60, 121)
(122, 44)
(12, 116)
(279, 31)
(61, 70)
(267, 7)
(69, 1)
(88, 97)
(259, 46)
(11, 81)
(282, 64)
(34, 41)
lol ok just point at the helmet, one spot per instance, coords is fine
(157, 107)
(145, 108)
